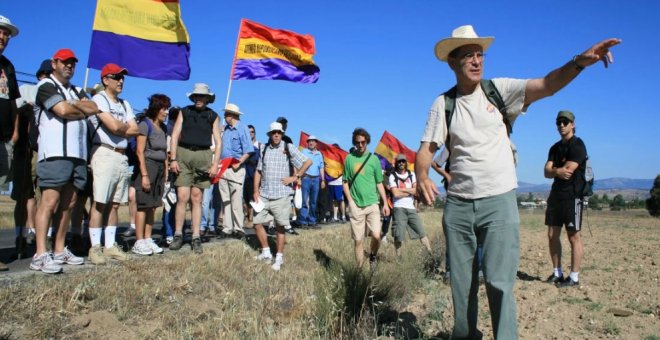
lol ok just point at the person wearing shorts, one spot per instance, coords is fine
(363, 186)
(109, 164)
(61, 157)
(566, 164)
(403, 186)
(273, 182)
(191, 159)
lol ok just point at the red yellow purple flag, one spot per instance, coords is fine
(272, 54)
(333, 156)
(147, 37)
(389, 146)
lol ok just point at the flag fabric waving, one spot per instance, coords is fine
(333, 156)
(389, 147)
(272, 54)
(147, 37)
(223, 165)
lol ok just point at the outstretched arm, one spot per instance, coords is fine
(556, 80)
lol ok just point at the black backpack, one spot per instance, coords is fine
(396, 177)
(286, 151)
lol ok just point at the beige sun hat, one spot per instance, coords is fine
(6, 23)
(275, 126)
(464, 35)
(233, 108)
(203, 89)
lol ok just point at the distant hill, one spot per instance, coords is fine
(617, 183)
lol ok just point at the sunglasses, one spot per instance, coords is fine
(115, 76)
(401, 161)
(362, 142)
(563, 122)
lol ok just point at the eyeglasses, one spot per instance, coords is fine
(468, 56)
(563, 122)
(401, 161)
(116, 77)
(361, 142)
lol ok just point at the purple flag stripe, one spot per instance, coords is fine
(274, 69)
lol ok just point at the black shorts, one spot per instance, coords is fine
(564, 212)
(153, 198)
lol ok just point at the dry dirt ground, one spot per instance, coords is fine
(619, 295)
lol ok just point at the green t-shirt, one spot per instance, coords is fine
(364, 190)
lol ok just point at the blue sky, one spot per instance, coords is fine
(378, 69)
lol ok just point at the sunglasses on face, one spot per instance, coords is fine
(401, 161)
(115, 76)
(563, 122)
(361, 142)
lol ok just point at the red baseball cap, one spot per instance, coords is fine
(112, 69)
(64, 54)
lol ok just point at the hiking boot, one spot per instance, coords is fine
(45, 263)
(130, 232)
(115, 253)
(141, 248)
(197, 245)
(266, 257)
(95, 255)
(177, 242)
(154, 247)
(568, 283)
(29, 239)
(279, 261)
(291, 231)
(552, 279)
(67, 257)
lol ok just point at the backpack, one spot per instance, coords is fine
(494, 97)
(588, 178)
(286, 151)
(396, 178)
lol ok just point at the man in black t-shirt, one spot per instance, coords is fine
(8, 95)
(566, 162)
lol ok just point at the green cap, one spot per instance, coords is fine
(566, 114)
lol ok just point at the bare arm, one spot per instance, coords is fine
(111, 124)
(80, 109)
(427, 189)
(139, 152)
(14, 110)
(556, 80)
(565, 172)
(257, 183)
(174, 142)
(132, 128)
(297, 173)
(381, 192)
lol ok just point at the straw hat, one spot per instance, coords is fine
(233, 108)
(6, 23)
(461, 36)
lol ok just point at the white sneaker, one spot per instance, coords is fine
(266, 257)
(66, 257)
(45, 263)
(141, 248)
(279, 261)
(154, 247)
(169, 240)
(384, 240)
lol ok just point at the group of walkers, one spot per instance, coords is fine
(77, 148)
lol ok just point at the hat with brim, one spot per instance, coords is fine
(275, 126)
(400, 157)
(566, 114)
(203, 90)
(46, 67)
(6, 23)
(233, 108)
(312, 138)
(64, 54)
(461, 36)
(111, 68)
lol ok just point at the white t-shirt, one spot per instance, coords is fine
(442, 157)
(481, 161)
(122, 113)
(406, 183)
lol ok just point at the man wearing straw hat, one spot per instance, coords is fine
(195, 130)
(236, 143)
(481, 205)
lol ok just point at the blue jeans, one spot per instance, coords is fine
(493, 223)
(210, 207)
(310, 193)
(168, 222)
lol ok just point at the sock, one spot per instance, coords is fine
(558, 272)
(95, 236)
(133, 226)
(110, 232)
(32, 230)
(574, 276)
(266, 251)
(17, 229)
(50, 232)
(334, 216)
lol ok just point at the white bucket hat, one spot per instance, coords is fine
(233, 108)
(202, 89)
(312, 137)
(275, 126)
(464, 35)
(6, 23)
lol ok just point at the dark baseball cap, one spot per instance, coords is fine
(45, 67)
(566, 114)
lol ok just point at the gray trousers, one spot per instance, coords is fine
(494, 223)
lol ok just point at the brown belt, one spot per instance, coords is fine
(108, 146)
